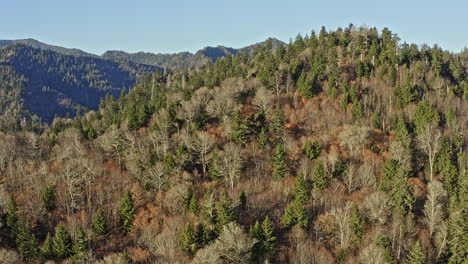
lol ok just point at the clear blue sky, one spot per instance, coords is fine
(178, 25)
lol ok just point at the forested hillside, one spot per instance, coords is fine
(47, 83)
(186, 60)
(343, 146)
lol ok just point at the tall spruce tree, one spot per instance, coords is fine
(416, 254)
(320, 180)
(26, 241)
(279, 163)
(187, 240)
(226, 212)
(127, 212)
(100, 223)
(48, 197)
(62, 244)
(47, 251)
(81, 245)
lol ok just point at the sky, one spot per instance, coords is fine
(181, 25)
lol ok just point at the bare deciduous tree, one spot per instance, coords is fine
(343, 220)
(429, 140)
(354, 138)
(232, 245)
(433, 208)
(202, 144)
(377, 207)
(232, 163)
(372, 254)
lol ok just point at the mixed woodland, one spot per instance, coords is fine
(343, 146)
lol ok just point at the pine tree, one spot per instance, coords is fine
(47, 250)
(81, 245)
(358, 109)
(62, 244)
(268, 237)
(100, 223)
(305, 86)
(48, 197)
(295, 214)
(301, 191)
(127, 212)
(193, 205)
(425, 114)
(458, 241)
(416, 254)
(262, 139)
(401, 194)
(357, 225)
(276, 126)
(279, 163)
(26, 241)
(200, 234)
(226, 210)
(187, 240)
(390, 172)
(320, 180)
(312, 150)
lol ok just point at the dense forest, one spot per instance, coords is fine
(42, 83)
(344, 146)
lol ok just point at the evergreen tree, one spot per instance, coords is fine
(48, 197)
(193, 205)
(358, 109)
(187, 240)
(47, 250)
(214, 169)
(390, 172)
(295, 214)
(320, 180)
(357, 225)
(268, 238)
(304, 86)
(276, 126)
(279, 163)
(262, 139)
(26, 241)
(416, 254)
(425, 114)
(458, 240)
(341, 258)
(81, 245)
(226, 210)
(62, 244)
(100, 223)
(401, 194)
(301, 191)
(127, 212)
(312, 150)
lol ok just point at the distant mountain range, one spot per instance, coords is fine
(56, 81)
(184, 60)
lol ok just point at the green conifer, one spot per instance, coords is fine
(100, 223)
(26, 241)
(127, 212)
(48, 197)
(47, 250)
(279, 163)
(416, 254)
(62, 244)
